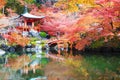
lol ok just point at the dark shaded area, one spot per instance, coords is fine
(19, 49)
(103, 51)
(52, 48)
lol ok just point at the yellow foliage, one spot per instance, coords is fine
(1, 15)
(76, 66)
(73, 63)
(73, 5)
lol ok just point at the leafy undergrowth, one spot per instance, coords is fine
(87, 68)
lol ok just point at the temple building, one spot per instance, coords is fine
(27, 21)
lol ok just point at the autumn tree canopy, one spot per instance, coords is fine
(88, 24)
(81, 22)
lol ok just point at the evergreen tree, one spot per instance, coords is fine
(14, 5)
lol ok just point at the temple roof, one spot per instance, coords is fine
(28, 15)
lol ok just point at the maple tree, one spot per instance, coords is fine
(100, 21)
(15, 38)
(56, 21)
(107, 14)
(64, 25)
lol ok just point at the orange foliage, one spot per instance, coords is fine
(18, 39)
(81, 44)
(2, 3)
(19, 62)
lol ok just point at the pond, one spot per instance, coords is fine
(93, 66)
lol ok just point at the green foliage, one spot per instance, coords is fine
(101, 63)
(33, 41)
(43, 34)
(101, 67)
(33, 57)
(44, 61)
(94, 68)
(32, 75)
(33, 2)
(14, 5)
(97, 43)
(42, 43)
(12, 55)
(30, 1)
(114, 42)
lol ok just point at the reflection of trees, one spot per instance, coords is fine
(19, 62)
(7, 74)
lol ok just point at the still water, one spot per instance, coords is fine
(33, 57)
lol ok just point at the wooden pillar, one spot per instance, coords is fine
(58, 48)
(71, 46)
(65, 47)
(33, 24)
(25, 69)
(25, 23)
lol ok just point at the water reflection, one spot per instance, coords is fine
(27, 60)
(38, 56)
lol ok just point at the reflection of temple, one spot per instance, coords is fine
(27, 21)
